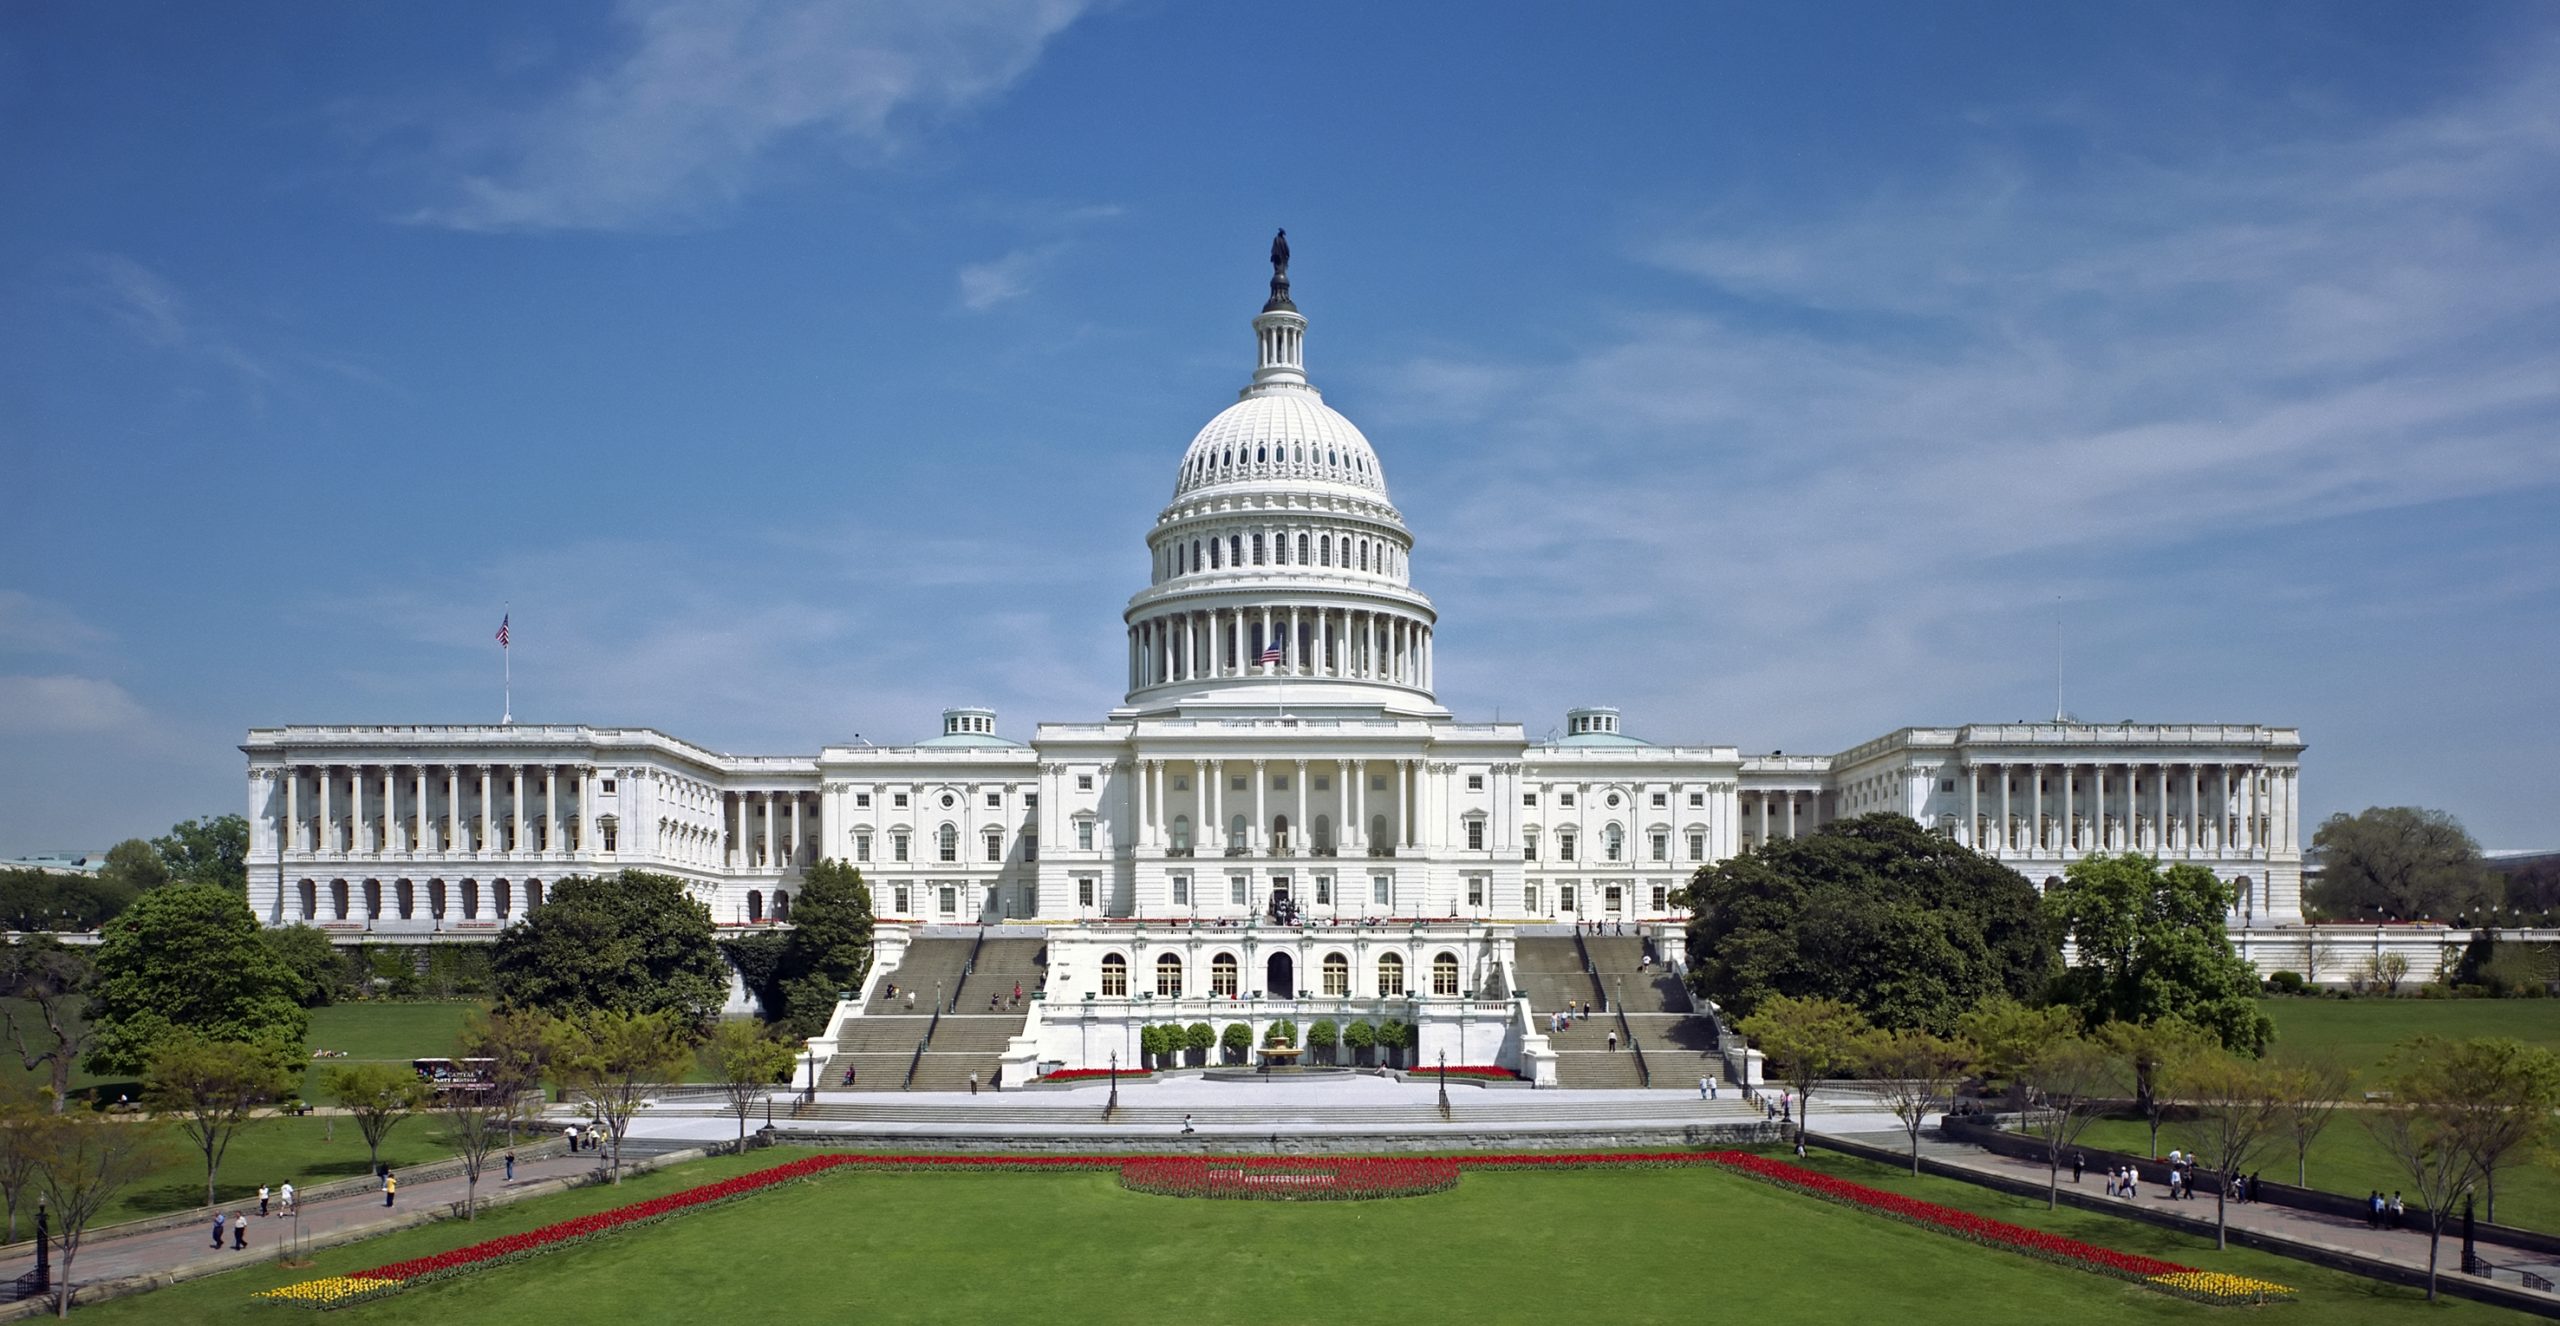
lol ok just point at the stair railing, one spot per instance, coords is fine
(968, 969)
(1644, 1071)
(1588, 969)
(913, 1064)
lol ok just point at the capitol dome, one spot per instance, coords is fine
(1280, 433)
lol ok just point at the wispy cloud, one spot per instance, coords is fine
(151, 309)
(682, 123)
(57, 704)
(30, 625)
(1937, 408)
(983, 285)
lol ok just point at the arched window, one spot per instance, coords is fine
(1115, 976)
(947, 842)
(1181, 834)
(1444, 974)
(435, 898)
(1390, 975)
(1323, 834)
(471, 900)
(1213, 554)
(1613, 842)
(1302, 550)
(1364, 554)
(1195, 554)
(1337, 976)
(1257, 550)
(338, 898)
(1169, 976)
(506, 899)
(1324, 550)
(310, 900)
(1378, 839)
(408, 896)
(1280, 833)
(781, 905)
(1222, 976)
(1236, 830)
(1235, 550)
(755, 905)
(373, 900)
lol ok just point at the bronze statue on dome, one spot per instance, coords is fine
(1280, 254)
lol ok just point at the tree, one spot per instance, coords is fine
(1395, 1037)
(317, 967)
(86, 1161)
(21, 1125)
(2239, 1110)
(2149, 944)
(213, 850)
(42, 900)
(473, 1121)
(1151, 1044)
(748, 1063)
(1282, 1034)
(2145, 1052)
(380, 1096)
(186, 961)
(2313, 1090)
(211, 1088)
(1322, 1037)
(1915, 1072)
(2008, 1036)
(49, 983)
(1236, 1042)
(635, 942)
(2064, 1079)
(2400, 863)
(2424, 1126)
(1876, 912)
(828, 950)
(2384, 970)
(611, 1060)
(2505, 1091)
(134, 866)
(1808, 1042)
(515, 1048)
(1199, 1039)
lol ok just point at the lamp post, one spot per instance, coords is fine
(1112, 1106)
(1444, 1084)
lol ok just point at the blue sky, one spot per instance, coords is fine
(792, 371)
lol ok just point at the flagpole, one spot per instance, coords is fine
(507, 669)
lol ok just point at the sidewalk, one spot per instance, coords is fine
(163, 1251)
(2402, 1247)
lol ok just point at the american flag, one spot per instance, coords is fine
(1270, 654)
(502, 629)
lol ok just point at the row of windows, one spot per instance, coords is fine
(1661, 800)
(1203, 466)
(403, 898)
(1334, 975)
(946, 844)
(950, 800)
(1216, 554)
(1613, 844)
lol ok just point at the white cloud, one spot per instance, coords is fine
(984, 285)
(30, 705)
(31, 625)
(678, 127)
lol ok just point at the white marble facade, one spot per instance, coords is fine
(1279, 740)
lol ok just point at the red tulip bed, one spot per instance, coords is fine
(1291, 1179)
(1494, 1071)
(1088, 1074)
(1284, 1178)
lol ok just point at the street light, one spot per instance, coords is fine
(1444, 1084)
(1112, 1106)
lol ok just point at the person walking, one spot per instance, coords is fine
(218, 1222)
(2077, 1161)
(390, 1186)
(1705, 1085)
(973, 1081)
(1613, 1042)
(288, 1199)
(239, 1232)
(262, 1201)
(1186, 1123)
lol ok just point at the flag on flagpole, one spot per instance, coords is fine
(502, 629)
(1270, 654)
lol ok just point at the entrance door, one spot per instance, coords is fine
(1278, 983)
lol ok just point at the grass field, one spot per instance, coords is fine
(2347, 1159)
(2362, 1032)
(1624, 1246)
(395, 1032)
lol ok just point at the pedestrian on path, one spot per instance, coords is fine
(390, 1187)
(511, 1166)
(1186, 1123)
(239, 1232)
(217, 1231)
(288, 1199)
(973, 1081)
(262, 1201)
(1613, 1042)
(2077, 1161)
(1705, 1085)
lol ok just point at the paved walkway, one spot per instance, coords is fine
(162, 1251)
(2405, 1247)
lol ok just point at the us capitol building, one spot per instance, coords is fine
(1279, 812)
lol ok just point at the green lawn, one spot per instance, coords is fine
(2347, 1159)
(275, 1151)
(2362, 1032)
(394, 1032)
(1643, 1245)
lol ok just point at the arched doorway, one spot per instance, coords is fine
(1278, 978)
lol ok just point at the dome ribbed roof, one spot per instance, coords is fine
(1283, 434)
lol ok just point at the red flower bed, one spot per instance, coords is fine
(1495, 1071)
(1290, 1179)
(1086, 1074)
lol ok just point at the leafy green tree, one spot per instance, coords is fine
(1151, 1045)
(1360, 1036)
(1808, 1042)
(829, 948)
(214, 850)
(2236, 1110)
(1915, 1072)
(318, 968)
(2146, 1051)
(517, 1048)
(2008, 1036)
(134, 866)
(610, 1061)
(1282, 1034)
(2149, 944)
(2402, 863)
(635, 942)
(1322, 1037)
(86, 1162)
(48, 983)
(748, 1063)
(1200, 1038)
(2066, 1079)
(757, 958)
(187, 961)
(1237, 1042)
(1395, 1037)
(1904, 925)
(379, 1096)
(2312, 1092)
(2455, 1110)
(41, 900)
(212, 1088)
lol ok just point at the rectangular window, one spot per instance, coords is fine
(1564, 897)
(862, 847)
(1564, 847)
(1529, 899)
(1236, 889)
(1564, 799)
(862, 801)
(1661, 898)
(1475, 782)
(897, 847)
(1529, 844)
(1030, 847)
(1377, 782)
(948, 848)
(1528, 798)
(995, 847)
(1324, 783)
(1475, 835)
(1324, 890)
(902, 899)
(1084, 835)
(1697, 847)
(1084, 892)
(1279, 782)
(1475, 890)
(995, 800)
(1238, 784)
(1661, 799)
(950, 901)
(605, 786)
(1382, 889)
(1182, 890)
(899, 800)
(1697, 800)
(1030, 801)
(1084, 782)
(1661, 844)
(1944, 785)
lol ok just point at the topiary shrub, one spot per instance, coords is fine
(1282, 1034)
(1238, 1042)
(1151, 1045)
(1363, 1040)
(1395, 1037)
(1321, 1038)
(2285, 983)
(1199, 1039)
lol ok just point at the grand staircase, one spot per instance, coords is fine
(877, 1050)
(1679, 1045)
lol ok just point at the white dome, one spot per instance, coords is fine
(1284, 433)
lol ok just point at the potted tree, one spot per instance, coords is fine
(1393, 1037)
(1199, 1039)
(1151, 1046)
(1237, 1041)
(1363, 1040)
(1321, 1038)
